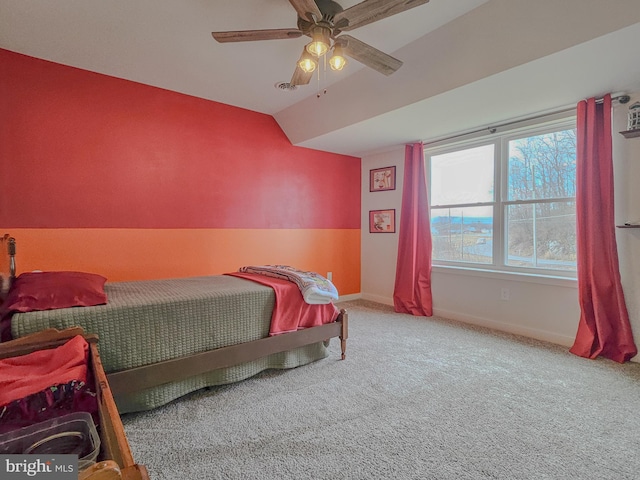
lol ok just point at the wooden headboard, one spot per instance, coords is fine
(8, 263)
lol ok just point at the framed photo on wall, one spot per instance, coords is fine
(381, 179)
(382, 221)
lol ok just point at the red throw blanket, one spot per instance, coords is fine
(27, 374)
(291, 312)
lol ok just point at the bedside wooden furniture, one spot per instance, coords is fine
(115, 460)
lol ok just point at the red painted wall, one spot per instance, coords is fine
(98, 157)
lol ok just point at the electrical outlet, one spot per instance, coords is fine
(330, 276)
(504, 294)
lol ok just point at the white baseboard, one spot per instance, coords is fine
(377, 298)
(347, 298)
(543, 335)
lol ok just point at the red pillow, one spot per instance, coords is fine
(50, 290)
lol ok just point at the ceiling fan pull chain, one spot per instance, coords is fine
(324, 73)
(324, 76)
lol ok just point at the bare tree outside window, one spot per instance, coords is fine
(507, 203)
(541, 213)
(462, 195)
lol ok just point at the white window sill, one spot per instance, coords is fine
(509, 276)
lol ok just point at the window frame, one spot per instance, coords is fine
(500, 141)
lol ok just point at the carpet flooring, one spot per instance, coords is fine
(416, 398)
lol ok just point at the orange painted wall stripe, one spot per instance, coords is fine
(138, 254)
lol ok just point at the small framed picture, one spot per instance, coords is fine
(381, 179)
(382, 221)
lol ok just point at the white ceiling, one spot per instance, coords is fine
(467, 63)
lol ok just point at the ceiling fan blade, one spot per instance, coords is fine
(300, 77)
(305, 7)
(370, 11)
(252, 35)
(368, 55)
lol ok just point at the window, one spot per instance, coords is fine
(506, 201)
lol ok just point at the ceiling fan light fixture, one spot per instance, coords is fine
(324, 21)
(337, 60)
(306, 63)
(320, 41)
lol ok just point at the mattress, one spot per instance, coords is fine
(149, 321)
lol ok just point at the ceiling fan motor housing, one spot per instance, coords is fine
(329, 9)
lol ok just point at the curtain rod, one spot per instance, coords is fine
(622, 98)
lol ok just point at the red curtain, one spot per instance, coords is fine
(604, 328)
(412, 292)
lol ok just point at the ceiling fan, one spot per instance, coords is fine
(324, 21)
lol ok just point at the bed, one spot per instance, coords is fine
(162, 339)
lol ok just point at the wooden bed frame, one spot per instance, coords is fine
(147, 376)
(115, 460)
(140, 378)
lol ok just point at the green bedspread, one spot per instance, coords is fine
(154, 320)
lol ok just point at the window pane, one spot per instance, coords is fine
(542, 235)
(465, 176)
(542, 166)
(462, 234)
